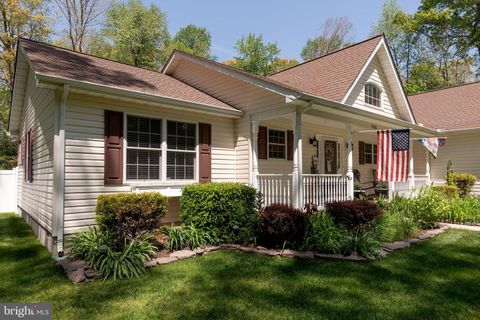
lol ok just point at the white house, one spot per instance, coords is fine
(89, 126)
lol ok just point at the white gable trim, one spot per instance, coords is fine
(381, 44)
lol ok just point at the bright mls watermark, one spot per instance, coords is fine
(34, 311)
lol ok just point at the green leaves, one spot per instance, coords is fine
(181, 237)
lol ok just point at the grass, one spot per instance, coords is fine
(437, 279)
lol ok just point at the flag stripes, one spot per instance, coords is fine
(393, 155)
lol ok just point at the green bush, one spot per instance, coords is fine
(450, 191)
(428, 208)
(463, 210)
(97, 249)
(354, 214)
(181, 237)
(228, 210)
(323, 235)
(130, 215)
(366, 243)
(397, 225)
(464, 182)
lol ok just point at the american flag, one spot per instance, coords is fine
(393, 155)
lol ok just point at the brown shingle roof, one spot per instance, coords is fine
(451, 108)
(329, 76)
(62, 63)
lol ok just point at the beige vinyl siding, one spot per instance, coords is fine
(36, 198)
(242, 150)
(374, 74)
(84, 168)
(464, 152)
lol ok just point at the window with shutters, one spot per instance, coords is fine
(181, 153)
(277, 144)
(370, 153)
(153, 142)
(144, 148)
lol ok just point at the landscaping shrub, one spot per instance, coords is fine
(366, 242)
(397, 224)
(181, 237)
(464, 182)
(321, 234)
(354, 214)
(130, 215)
(450, 191)
(463, 210)
(228, 210)
(428, 207)
(96, 248)
(281, 225)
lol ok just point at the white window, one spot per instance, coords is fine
(147, 144)
(370, 153)
(144, 148)
(181, 142)
(372, 95)
(277, 143)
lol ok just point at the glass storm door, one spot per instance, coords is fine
(330, 148)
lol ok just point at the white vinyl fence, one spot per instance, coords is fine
(8, 190)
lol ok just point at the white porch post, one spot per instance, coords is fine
(297, 174)
(254, 154)
(411, 175)
(427, 166)
(348, 128)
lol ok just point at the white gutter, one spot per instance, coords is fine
(114, 91)
(59, 170)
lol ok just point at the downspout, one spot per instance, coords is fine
(60, 170)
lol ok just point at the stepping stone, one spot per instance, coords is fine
(77, 276)
(165, 260)
(199, 251)
(150, 264)
(183, 254)
(211, 249)
(248, 249)
(68, 265)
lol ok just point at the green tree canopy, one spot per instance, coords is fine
(255, 56)
(136, 34)
(195, 40)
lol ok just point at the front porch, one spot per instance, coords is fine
(328, 155)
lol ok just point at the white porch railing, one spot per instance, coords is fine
(319, 189)
(403, 188)
(275, 188)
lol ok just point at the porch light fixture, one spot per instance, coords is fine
(314, 141)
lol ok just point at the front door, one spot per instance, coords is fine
(330, 149)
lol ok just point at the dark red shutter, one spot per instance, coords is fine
(30, 156)
(361, 152)
(290, 145)
(113, 147)
(205, 161)
(262, 142)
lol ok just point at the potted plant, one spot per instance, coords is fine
(358, 191)
(381, 189)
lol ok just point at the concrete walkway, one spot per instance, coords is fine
(460, 226)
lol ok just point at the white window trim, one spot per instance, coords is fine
(321, 152)
(285, 145)
(163, 181)
(380, 91)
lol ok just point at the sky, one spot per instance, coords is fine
(289, 23)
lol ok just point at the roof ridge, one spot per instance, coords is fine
(89, 55)
(330, 53)
(445, 88)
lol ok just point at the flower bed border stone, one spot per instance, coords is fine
(79, 271)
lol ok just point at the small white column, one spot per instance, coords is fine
(254, 154)
(411, 175)
(348, 129)
(297, 174)
(427, 166)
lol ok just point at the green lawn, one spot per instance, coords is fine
(438, 279)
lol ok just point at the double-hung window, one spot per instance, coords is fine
(372, 95)
(370, 153)
(144, 148)
(276, 144)
(147, 145)
(181, 153)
